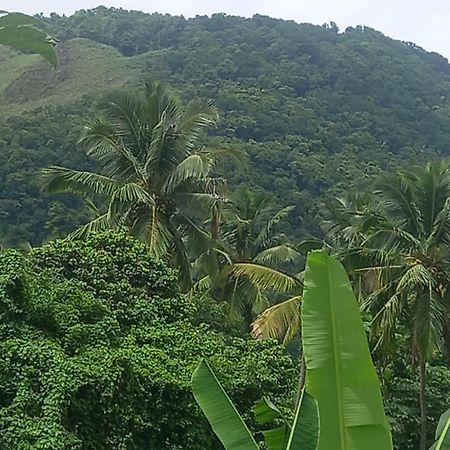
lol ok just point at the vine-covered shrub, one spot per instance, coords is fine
(97, 348)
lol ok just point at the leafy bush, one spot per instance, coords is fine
(97, 348)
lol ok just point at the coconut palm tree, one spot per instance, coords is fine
(400, 245)
(153, 173)
(249, 259)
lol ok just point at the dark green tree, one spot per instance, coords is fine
(97, 348)
(398, 244)
(152, 170)
(248, 257)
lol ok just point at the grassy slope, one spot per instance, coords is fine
(84, 68)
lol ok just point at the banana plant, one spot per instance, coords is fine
(23, 33)
(231, 429)
(443, 433)
(339, 370)
(341, 381)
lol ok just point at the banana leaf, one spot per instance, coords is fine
(19, 31)
(340, 373)
(305, 429)
(265, 412)
(443, 433)
(223, 416)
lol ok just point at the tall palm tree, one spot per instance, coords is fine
(153, 173)
(400, 243)
(249, 258)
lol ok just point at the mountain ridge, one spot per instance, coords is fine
(317, 111)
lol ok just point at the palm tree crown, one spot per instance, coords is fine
(248, 259)
(152, 172)
(398, 242)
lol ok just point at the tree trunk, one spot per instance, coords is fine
(447, 341)
(423, 402)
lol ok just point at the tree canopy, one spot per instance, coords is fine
(316, 111)
(97, 348)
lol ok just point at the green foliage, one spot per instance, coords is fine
(21, 32)
(443, 433)
(231, 429)
(311, 107)
(220, 411)
(97, 347)
(153, 170)
(401, 394)
(396, 241)
(242, 257)
(340, 373)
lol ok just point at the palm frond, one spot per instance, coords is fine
(280, 321)
(388, 320)
(181, 258)
(440, 231)
(279, 254)
(430, 316)
(197, 204)
(265, 278)
(396, 192)
(197, 116)
(104, 143)
(195, 166)
(124, 112)
(416, 276)
(98, 224)
(132, 193)
(159, 237)
(57, 179)
(148, 224)
(266, 232)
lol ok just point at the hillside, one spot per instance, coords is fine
(84, 68)
(316, 110)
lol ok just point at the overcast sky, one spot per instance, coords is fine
(425, 22)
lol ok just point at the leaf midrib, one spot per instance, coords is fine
(336, 361)
(443, 435)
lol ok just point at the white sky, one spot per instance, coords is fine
(425, 22)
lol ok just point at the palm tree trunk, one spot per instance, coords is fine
(423, 402)
(447, 341)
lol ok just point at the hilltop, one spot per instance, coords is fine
(317, 110)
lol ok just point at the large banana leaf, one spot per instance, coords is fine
(305, 429)
(443, 433)
(340, 372)
(220, 411)
(19, 31)
(265, 412)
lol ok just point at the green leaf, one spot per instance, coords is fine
(443, 433)
(305, 429)
(340, 372)
(276, 438)
(19, 31)
(281, 321)
(60, 179)
(265, 411)
(265, 278)
(196, 166)
(220, 411)
(280, 253)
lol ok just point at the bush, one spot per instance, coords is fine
(97, 348)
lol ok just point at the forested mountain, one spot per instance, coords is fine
(316, 109)
(219, 143)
